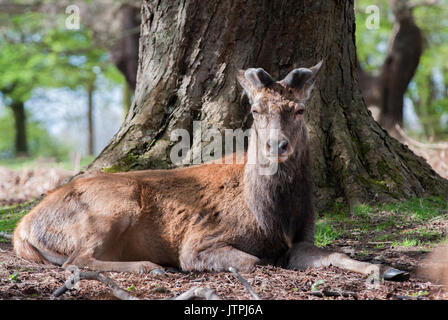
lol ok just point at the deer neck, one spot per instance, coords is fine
(276, 199)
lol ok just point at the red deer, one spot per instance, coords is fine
(205, 217)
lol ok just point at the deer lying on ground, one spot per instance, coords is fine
(204, 217)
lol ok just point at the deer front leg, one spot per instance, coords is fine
(217, 259)
(113, 266)
(305, 254)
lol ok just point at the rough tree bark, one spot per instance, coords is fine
(190, 51)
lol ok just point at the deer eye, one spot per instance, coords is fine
(255, 112)
(300, 111)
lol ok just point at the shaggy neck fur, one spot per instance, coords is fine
(281, 202)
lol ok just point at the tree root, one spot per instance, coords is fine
(245, 283)
(420, 145)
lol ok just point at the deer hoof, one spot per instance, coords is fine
(173, 270)
(395, 275)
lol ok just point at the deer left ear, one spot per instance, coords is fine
(253, 79)
(302, 80)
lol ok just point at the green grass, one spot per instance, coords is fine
(420, 209)
(17, 163)
(316, 285)
(21, 163)
(362, 211)
(131, 288)
(406, 242)
(419, 293)
(14, 277)
(325, 233)
(83, 163)
(10, 215)
(408, 223)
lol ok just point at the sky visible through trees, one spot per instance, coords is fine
(67, 123)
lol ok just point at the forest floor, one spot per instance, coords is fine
(21, 279)
(399, 235)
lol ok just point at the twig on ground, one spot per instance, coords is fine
(91, 275)
(245, 283)
(195, 292)
(205, 293)
(6, 235)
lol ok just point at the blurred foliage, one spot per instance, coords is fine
(38, 51)
(32, 56)
(39, 140)
(24, 163)
(428, 89)
(371, 45)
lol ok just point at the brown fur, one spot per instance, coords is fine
(167, 217)
(435, 266)
(206, 217)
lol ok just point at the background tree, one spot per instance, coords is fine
(189, 55)
(115, 26)
(34, 56)
(402, 60)
(18, 56)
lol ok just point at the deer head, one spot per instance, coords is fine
(278, 109)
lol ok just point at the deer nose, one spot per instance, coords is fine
(282, 147)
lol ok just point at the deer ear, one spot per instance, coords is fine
(253, 79)
(302, 80)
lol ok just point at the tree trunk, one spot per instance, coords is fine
(124, 51)
(21, 144)
(91, 129)
(190, 52)
(386, 90)
(400, 65)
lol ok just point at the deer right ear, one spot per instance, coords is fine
(302, 80)
(253, 79)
